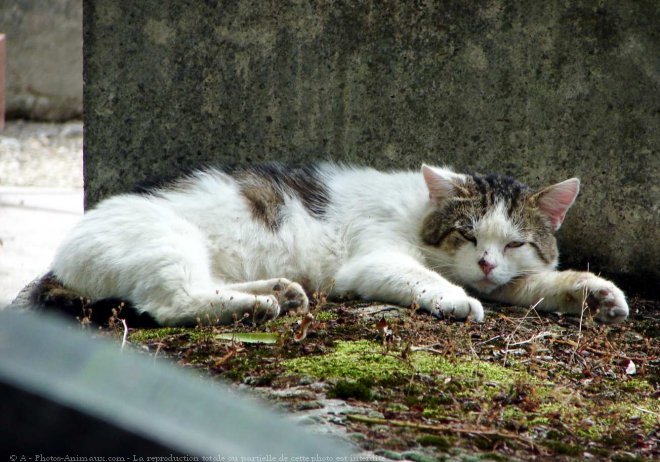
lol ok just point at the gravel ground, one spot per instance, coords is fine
(41, 155)
(40, 197)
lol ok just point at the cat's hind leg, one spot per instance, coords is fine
(290, 295)
(183, 292)
(256, 301)
(220, 306)
(180, 290)
(136, 249)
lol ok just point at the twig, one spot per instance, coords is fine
(380, 310)
(427, 348)
(647, 411)
(489, 340)
(233, 352)
(158, 347)
(507, 319)
(583, 308)
(535, 337)
(123, 341)
(439, 428)
(510, 336)
(605, 353)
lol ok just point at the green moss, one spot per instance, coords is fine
(418, 457)
(604, 419)
(636, 385)
(488, 443)
(436, 441)
(437, 399)
(436, 413)
(645, 411)
(397, 407)
(536, 420)
(469, 369)
(280, 321)
(345, 389)
(560, 447)
(325, 315)
(513, 413)
(291, 320)
(627, 458)
(149, 335)
(361, 360)
(494, 457)
(250, 367)
(366, 360)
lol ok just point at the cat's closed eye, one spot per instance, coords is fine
(467, 236)
(514, 244)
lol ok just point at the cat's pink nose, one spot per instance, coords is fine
(486, 266)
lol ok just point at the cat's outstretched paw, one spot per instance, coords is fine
(606, 298)
(291, 296)
(459, 307)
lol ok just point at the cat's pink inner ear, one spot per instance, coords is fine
(439, 185)
(554, 201)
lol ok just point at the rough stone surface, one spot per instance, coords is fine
(540, 90)
(44, 58)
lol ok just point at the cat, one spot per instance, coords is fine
(251, 243)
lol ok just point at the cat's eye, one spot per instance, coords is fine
(514, 244)
(468, 237)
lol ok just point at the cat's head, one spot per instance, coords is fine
(484, 231)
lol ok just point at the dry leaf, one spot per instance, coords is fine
(304, 326)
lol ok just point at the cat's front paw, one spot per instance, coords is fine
(457, 306)
(606, 298)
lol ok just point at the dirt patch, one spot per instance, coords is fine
(518, 386)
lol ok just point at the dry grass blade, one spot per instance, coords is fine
(582, 310)
(540, 335)
(233, 352)
(510, 336)
(123, 340)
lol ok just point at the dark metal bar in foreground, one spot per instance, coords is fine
(65, 393)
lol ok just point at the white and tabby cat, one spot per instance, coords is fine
(222, 245)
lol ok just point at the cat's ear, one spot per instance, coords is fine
(554, 201)
(442, 183)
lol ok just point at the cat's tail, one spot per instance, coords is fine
(49, 294)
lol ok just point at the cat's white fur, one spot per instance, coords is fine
(198, 252)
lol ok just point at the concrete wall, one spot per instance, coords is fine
(44, 58)
(540, 90)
